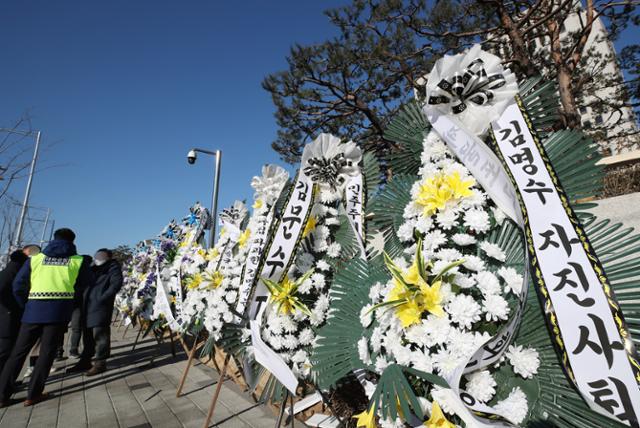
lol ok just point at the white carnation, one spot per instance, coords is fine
(366, 315)
(334, 250)
(496, 307)
(464, 310)
(481, 385)
(488, 283)
(514, 407)
(405, 232)
(323, 266)
(525, 361)
(473, 263)
(462, 239)
(513, 280)
(363, 351)
(498, 215)
(477, 220)
(493, 250)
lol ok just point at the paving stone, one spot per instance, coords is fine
(138, 391)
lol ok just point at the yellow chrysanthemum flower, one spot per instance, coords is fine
(258, 204)
(194, 282)
(244, 238)
(213, 279)
(438, 419)
(310, 226)
(366, 419)
(212, 253)
(412, 295)
(435, 192)
(283, 294)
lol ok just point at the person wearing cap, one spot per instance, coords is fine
(47, 287)
(98, 309)
(10, 310)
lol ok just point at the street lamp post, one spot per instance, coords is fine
(191, 158)
(25, 202)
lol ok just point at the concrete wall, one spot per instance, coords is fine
(625, 209)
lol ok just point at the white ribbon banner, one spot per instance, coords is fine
(590, 334)
(280, 254)
(162, 306)
(250, 270)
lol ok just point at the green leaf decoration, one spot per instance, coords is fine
(336, 352)
(372, 174)
(386, 209)
(407, 129)
(553, 400)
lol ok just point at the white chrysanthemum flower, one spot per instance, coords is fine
(376, 339)
(447, 219)
(366, 315)
(381, 364)
(461, 343)
(448, 255)
(464, 310)
(424, 224)
(334, 250)
(411, 211)
(417, 334)
(323, 266)
(290, 341)
(498, 215)
(405, 232)
(437, 328)
(374, 292)
(513, 280)
(488, 283)
(319, 281)
(422, 361)
(474, 263)
(433, 240)
(445, 362)
(288, 324)
(477, 220)
(493, 250)
(306, 337)
(464, 281)
(445, 398)
(496, 307)
(514, 407)
(525, 361)
(328, 196)
(434, 147)
(462, 239)
(299, 357)
(363, 351)
(481, 385)
(306, 286)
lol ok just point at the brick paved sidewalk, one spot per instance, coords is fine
(137, 391)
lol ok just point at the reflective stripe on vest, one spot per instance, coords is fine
(53, 277)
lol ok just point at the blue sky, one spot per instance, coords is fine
(125, 88)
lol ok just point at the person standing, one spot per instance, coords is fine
(10, 310)
(46, 286)
(98, 309)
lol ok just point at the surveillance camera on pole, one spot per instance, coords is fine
(192, 156)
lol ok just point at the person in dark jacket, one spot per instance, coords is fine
(98, 309)
(10, 310)
(46, 287)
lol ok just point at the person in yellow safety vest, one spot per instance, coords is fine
(48, 287)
